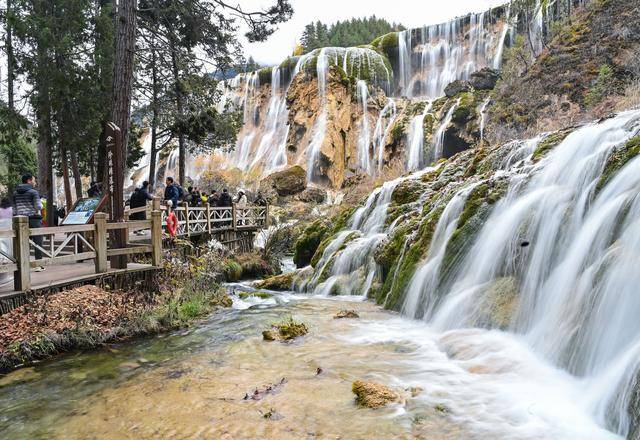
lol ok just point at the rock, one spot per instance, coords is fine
(285, 330)
(129, 366)
(374, 395)
(499, 302)
(456, 87)
(287, 182)
(415, 391)
(634, 410)
(278, 283)
(261, 295)
(346, 314)
(312, 195)
(19, 376)
(260, 393)
(484, 79)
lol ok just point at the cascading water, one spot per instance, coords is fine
(415, 140)
(347, 266)
(483, 116)
(385, 121)
(577, 305)
(365, 162)
(497, 59)
(438, 144)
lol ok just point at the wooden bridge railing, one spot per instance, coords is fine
(84, 242)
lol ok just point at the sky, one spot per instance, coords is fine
(410, 13)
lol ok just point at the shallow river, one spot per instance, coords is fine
(464, 384)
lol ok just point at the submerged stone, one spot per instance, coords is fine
(374, 395)
(346, 314)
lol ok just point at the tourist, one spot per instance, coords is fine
(171, 193)
(241, 199)
(26, 201)
(260, 200)
(138, 200)
(213, 198)
(204, 198)
(225, 200)
(6, 212)
(172, 221)
(95, 190)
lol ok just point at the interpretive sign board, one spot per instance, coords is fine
(83, 211)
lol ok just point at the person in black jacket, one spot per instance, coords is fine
(27, 202)
(225, 199)
(139, 199)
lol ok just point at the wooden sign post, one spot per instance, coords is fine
(115, 188)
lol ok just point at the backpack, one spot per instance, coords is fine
(181, 192)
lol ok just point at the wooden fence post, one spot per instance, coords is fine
(156, 238)
(233, 217)
(155, 204)
(21, 277)
(186, 219)
(208, 214)
(100, 241)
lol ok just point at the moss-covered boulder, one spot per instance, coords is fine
(278, 283)
(250, 265)
(484, 79)
(457, 86)
(307, 244)
(618, 159)
(287, 182)
(550, 142)
(374, 395)
(285, 330)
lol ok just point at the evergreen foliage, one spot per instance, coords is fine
(348, 33)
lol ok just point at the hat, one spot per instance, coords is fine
(169, 203)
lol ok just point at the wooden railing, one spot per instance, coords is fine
(80, 242)
(85, 242)
(208, 219)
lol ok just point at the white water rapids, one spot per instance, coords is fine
(567, 366)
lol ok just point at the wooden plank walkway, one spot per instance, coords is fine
(70, 273)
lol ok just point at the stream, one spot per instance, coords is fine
(462, 384)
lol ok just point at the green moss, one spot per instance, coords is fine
(550, 142)
(264, 75)
(307, 245)
(289, 63)
(278, 283)
(407, 191)
(397, 281)
(261, 295)
(285, 330)
(619, 159)
(231, 270)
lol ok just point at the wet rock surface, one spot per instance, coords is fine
(374, 395)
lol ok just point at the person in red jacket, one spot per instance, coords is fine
(172, 221)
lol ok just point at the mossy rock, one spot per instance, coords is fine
(550, 142)
(278, 283)
(307, 244)
(618, 159)
(285, 330)
(287, 182)
(231, 271)
(408, 191)
(264, 75)
(261, 295)
(374, 395)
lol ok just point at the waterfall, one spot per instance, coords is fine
(385, 121)
(577, 283)
(415, 140)
(439, 136)
(364, 140)
(404, 62)
(347, 266)
(424, 282)
(320, 126)
(483, 117)
(497, 59)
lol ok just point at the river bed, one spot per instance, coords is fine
(464, 384)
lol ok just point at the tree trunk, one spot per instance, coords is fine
(154, 120)
(103, 55)
(10, 57)
(65, 178)
(77, 177)
(182, 152)
(123, 67)
(122, 85)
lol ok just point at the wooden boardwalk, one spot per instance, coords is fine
(78, 254)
